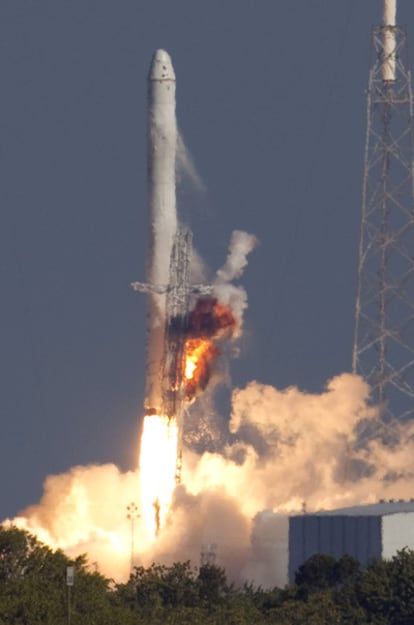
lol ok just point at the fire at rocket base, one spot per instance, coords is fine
(162, 215)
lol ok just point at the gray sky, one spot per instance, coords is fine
(271, 103)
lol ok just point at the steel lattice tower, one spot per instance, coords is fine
(384, 317)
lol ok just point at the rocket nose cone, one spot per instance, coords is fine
(161, 66)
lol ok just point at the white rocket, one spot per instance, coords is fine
(167, 287)
(162, 216)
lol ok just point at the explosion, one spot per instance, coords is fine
(190, 365)
(209, 321)
(199, 355)
(210, 318)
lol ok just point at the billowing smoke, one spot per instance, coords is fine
(210, 319)
(234, 296)
(240, 246)
(288, 449)
(82, 511)
(218, 318)
(281, 451)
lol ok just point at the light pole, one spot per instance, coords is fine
(70, 575)
(132, 516)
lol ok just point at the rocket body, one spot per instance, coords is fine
(162, 216)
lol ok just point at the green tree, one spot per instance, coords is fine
(326, 591)
(32, 579)
(401, 571)
(319, 609)
(159, 588)
(374, 594)
(213, 585)
(33, 587)
(317, 573)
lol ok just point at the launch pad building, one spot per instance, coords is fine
(366, 533)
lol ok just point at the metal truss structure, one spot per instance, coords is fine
(177, 310)
(383, 350)
(178, 293)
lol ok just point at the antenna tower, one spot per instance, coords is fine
(383, 350)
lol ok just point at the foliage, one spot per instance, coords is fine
(33, 587)
(326, 591)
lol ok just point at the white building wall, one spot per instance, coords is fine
(397, 533)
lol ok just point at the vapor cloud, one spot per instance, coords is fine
(288, 448)
(235, 296)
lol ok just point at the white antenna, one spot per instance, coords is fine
(389, 24)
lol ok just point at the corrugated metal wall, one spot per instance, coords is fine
(358, 536)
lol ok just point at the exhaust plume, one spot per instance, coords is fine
(281, 450)
(284, 448)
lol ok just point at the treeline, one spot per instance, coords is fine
(326, 591)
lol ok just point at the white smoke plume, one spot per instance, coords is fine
(198, 270)
(185, 166)
(84, 511)
(235, 296)
(287, 448)
(241, 244)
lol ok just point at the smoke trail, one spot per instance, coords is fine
(241, 244)
(185, 167)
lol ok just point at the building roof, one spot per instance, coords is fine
(382, 508)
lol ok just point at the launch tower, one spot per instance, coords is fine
(383, 350)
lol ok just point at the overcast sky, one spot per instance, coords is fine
(271, 103)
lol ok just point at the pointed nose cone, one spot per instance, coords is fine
(161, 66)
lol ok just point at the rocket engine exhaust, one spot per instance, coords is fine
(184, 321)
(159, 440)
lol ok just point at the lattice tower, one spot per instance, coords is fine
(384, 317)
(177, 309)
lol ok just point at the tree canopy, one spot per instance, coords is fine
(326, 590)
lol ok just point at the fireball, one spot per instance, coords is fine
(199, 354)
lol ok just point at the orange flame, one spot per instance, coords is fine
(199, 354)
(160, 462)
